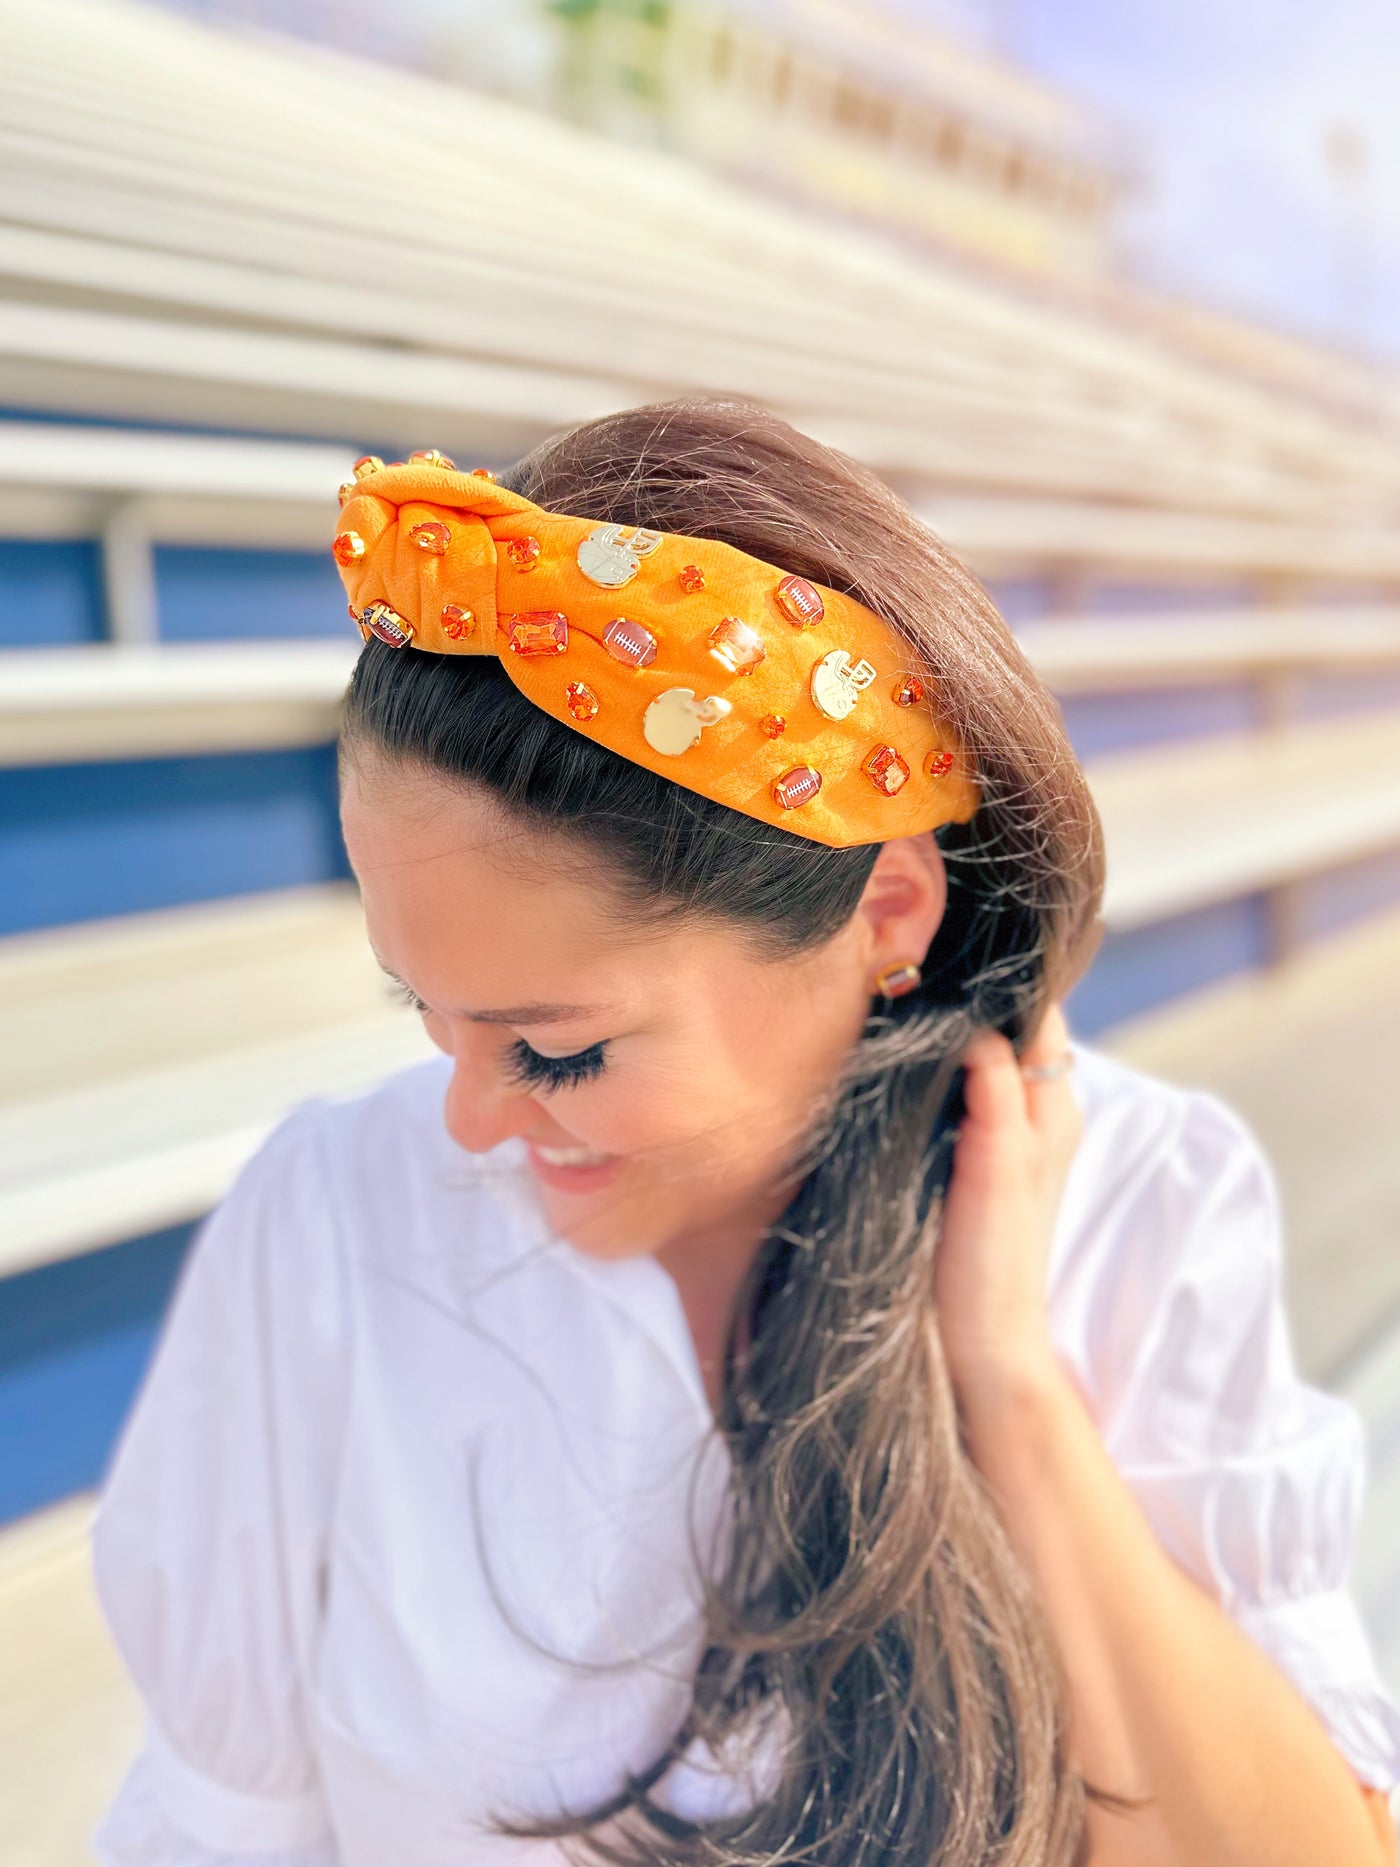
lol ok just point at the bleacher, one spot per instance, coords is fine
(229, 264)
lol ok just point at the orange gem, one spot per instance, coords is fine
(367, 463)
(773, 724)
(738, 647)
(347, 546)
(888, 771)
(431, 536)
(430, 457)
(538, 632)
(798, 786)
(909, 692)
(898, 979)
(800, 601)
(482, 473)
(938, 764)
(626, 640)
(386, 623)
(583, 702)
(691, 578)
(524, 553)
(457, 622)
(345, 489)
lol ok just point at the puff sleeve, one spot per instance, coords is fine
(209, 1539)
(1252, 1479)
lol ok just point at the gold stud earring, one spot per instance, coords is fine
(894, 981)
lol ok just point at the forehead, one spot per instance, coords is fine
(460, 895)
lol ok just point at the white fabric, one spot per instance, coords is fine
(389, 1415)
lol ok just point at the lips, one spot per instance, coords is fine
(570, 1156)
(573, 1169)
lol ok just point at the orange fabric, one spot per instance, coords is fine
(433, 544)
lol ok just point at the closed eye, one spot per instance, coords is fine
(397, 989)
(528, 1066)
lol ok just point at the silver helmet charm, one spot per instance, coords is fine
(609, 559)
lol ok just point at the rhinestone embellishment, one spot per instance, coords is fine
(627, 641)
(774, 725)
(524, 553)
(367, 463)
(800, 601)
(582, 701)
(673, 722)
(430, 457)
(386, 623)
(538, 632)
(909, 692)
(691, 578)
(887, 770)
(347, 546)
(836, 685)
(457, 622)
(736, 646)
(938, 764)
(798, 786)
(608, 559)
(432, 536)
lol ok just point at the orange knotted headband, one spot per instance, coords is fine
(778, 697)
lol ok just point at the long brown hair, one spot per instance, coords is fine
(869, 1587)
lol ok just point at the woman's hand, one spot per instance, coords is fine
(1010, 1163)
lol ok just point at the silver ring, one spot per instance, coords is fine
(1047, 1072)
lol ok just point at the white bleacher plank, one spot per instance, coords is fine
(86, 1003)
(1111, 654)
(1002, 534)
(106, 701)
(158, 1148)
(145, 461)
(145, 1055)
(1188, 825)
(332, 384)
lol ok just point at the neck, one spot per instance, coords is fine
(708, 1269)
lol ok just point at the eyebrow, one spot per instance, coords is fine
(539, 1011)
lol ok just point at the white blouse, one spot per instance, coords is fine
(402, 1458)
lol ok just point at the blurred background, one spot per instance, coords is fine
(1112, 297)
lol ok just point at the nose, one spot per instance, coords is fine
(481, 1109)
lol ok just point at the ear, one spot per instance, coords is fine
(903, 901)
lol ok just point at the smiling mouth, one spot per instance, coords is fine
(570, 1156)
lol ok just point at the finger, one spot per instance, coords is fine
(1051, 1038)
(994, 1089)
(1051, 1101)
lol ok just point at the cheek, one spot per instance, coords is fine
(633, 1112)
(721, 1105)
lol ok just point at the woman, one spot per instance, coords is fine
(742, 1403)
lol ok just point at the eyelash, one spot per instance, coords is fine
(526, 1065)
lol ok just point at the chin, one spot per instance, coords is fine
(597, 1227)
